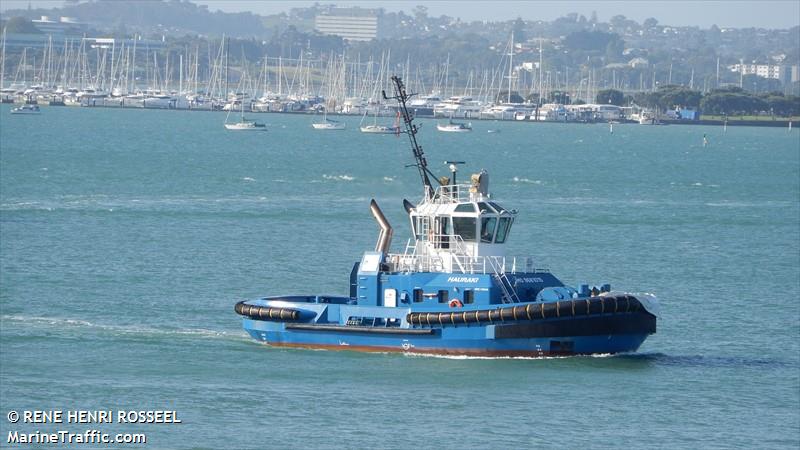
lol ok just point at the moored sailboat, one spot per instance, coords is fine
(244, 124)
(328, 124)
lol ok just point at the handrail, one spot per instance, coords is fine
(411, 262)
(453, 193)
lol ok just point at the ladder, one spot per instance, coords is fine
(509, 294)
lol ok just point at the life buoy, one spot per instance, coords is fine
(456, 303)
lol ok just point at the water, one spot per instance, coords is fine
(126, 237)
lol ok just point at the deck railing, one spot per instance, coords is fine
(453, 193)
(456, 259)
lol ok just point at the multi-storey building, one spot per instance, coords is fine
(778, 72)
(355, 24)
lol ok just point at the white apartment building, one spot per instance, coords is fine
(354, 24)
(777, 72)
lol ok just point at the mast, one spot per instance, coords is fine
(510, 65)
(3, 60)
(196, 56)
(411, 131)
(227, 49)
(539, 102)
(132, 80)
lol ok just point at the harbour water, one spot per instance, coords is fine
(126, 237)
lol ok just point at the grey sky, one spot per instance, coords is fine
(703, 13)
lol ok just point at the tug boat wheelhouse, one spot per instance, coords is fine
(453, 290)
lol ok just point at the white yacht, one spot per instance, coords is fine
(551, 112)
(381, 129)
(454, 127)
(328, 124)
(499, 112)
(26, 109)
(459, 106)
(244, 124)
(423, 106)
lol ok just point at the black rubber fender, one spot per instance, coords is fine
(595, 305)
(267, 312)
(530, 312)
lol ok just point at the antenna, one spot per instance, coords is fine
(411, 130)
(453, 165)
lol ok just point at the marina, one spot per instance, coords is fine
(527, 114)
(336, 87)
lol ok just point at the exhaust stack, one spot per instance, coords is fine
(385, 235)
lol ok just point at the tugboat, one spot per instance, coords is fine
(453, 290)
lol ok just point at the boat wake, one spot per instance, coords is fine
(67, 323)
(338, 177)
(664, 359)
(531, 358)
(526, 180)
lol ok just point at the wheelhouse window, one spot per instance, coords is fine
(497, 207)
(417, 224)
(466, 207)
(443, 296)
(484, 207)
(417, 295)
(465, 227)
(502, 229)
(488, 225)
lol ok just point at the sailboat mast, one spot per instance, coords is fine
(227, 50)
(3, 60)
(510, 65)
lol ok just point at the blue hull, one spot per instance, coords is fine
(623, 333)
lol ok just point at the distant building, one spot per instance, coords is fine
(354, 24)
(64, 26)
(18, 40)
(778, 72)
(638, 62)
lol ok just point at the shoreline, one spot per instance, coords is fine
(732, 121)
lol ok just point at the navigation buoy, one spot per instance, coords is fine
(705, 141)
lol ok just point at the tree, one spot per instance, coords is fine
(519, 30)
(678, 96)
(650, 23)
(648, 99)
(733, 103)
(779, 105)
(590, 40)
(420, 13)
(560, 97)
(502, 97)
(610, 97)
(21, 25)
